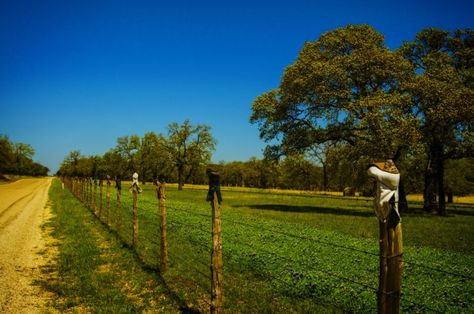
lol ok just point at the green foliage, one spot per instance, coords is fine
(459, 177)
(342, 87)
(442, 95)
(182, 156)
(16, 158)
(190, 148)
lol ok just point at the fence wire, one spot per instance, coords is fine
(149, 222)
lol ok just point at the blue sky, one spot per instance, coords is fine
(75, 75)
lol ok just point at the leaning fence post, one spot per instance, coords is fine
(390, 239)
(135, 188)
(214, 196)
(163, 240)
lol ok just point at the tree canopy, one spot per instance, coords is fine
(347, 87)
(16, 158)
(344, 87)
(442, 98)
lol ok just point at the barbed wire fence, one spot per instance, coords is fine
(266, 269)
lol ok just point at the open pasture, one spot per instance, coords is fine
(285, 252)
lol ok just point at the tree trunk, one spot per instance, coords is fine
(180, 177)
(325, 177)
(434, 181)
(402, 196)
(440, 183)
(429, 191)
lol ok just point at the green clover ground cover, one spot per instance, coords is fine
(287, 253)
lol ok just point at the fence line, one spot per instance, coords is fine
(86, 192)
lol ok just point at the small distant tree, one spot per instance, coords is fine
(190, 147)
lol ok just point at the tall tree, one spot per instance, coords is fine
(190, 147)
(344, 87)
(443, 96)
(22, 154)
(154, 158)
(127, 148)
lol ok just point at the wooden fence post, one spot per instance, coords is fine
(163, 241)
(135, 190)
(107, 193)
(387, 179)
(118, 187)
(391, 266)
(101, 187)
(90, 183)
(216, 255)
(94, 197)
(83, 191)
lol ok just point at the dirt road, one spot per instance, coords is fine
(22, 210)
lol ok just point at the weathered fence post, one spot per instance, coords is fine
(83, 190)
(90, 183)
(94, 197)
(135, 188)
(118, 186)
(101, 188)
(214, 196)
(391, 265)
(390, 239)
(107, 193)
(160, 189)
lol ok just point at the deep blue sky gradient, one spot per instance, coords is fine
(75, 75)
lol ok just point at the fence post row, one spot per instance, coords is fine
(390, 236)
(214, 196)
(160, 193)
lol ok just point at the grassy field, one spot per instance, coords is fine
(290, 252)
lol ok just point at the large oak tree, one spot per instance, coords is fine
(345, 88)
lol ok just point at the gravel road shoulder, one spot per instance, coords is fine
(23, 209)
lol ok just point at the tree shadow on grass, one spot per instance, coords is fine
(309, 209)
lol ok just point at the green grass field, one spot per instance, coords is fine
(288, 253)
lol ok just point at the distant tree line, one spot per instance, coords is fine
(188, 149)
(180, 156)
(16, 158)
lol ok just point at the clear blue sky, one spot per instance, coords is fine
(75, 75)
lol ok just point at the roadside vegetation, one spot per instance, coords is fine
(95, 272)
(16, 160)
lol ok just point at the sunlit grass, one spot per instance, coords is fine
(300, 253)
